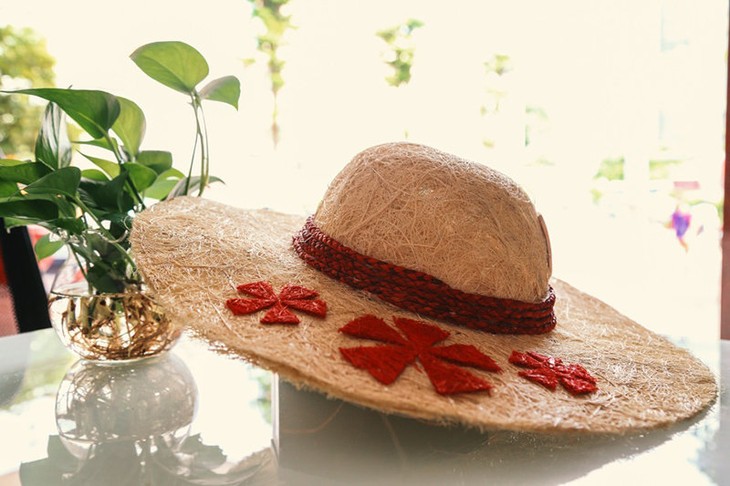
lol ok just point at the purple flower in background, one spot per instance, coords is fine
(680, 222)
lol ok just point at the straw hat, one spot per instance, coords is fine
(421, 286)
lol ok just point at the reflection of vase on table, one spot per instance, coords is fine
(130, 424)
(112, 419)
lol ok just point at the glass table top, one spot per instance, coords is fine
(194, 416)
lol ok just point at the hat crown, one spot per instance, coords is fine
(461, 222)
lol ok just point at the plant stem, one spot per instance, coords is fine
(110, 239)
(84, 270)
(190, 168)
(120, 161)
(206, 176)
(201, 133)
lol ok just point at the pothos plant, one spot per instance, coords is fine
(91, 210)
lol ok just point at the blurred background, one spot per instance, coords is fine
(609, 113)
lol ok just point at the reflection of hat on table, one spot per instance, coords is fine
(421, 286)
(322, 441)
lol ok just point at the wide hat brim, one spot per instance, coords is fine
(193, 254)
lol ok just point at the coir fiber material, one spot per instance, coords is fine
(194, 253)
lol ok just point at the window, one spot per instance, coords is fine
(610, 114)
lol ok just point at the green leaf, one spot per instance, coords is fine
(165, 182)
(44, 247)
(107, 197)
(75, 226)
(171, 173)
(111, 168)
(52, 146)
(157, 160)
(66, 209)
(141, 176)
(103, 247)
(130, 125)
(99, 142)
(174, 64)
(62, 181)
(29, 211)
(12, 162)
(24, 172)
(94, 175)
(102, 281)
(120, 223)
(95, 111)
(160, 189)
(8, 188)
(193, 186)
(226, 89)
(63, 207)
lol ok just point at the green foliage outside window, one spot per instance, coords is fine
(276, 25)
(24, 63)
(400, 53)
(611, 169)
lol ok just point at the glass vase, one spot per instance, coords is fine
(109, 327)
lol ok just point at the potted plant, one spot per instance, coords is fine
(91, 211)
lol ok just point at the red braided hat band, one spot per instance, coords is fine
(420, 292)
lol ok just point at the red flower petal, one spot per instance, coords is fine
(543, 376)
(577, 380)
(577, 386)
(580, 373)
(384, 363)
(315, 307)
(280, 315)
(296, 292)
(548, 361)
(549, 371)
(262, 290)
(449, 379)
(419, 333)
(294, 296)
(371, 327)
(248, 306)
(523, 359)
(467, 355)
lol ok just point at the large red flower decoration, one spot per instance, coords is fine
(290, 297)
(549, 371)
(415, 341)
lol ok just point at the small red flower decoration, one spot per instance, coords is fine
(291, 296)
(385, 363)
(549, 371)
